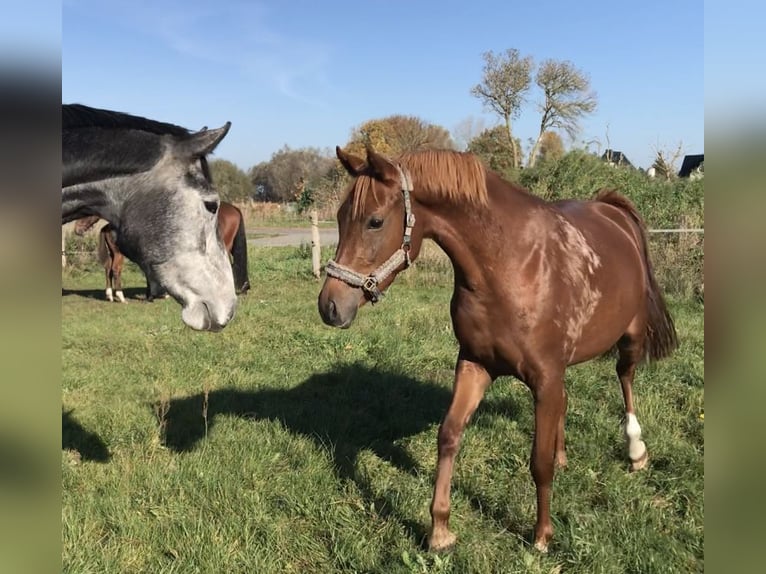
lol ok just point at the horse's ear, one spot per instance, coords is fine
(203, 142)
(381, 167)
(353, 165)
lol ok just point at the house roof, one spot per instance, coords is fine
(616, 157)
(691, 162)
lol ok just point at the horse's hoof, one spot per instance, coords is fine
(561, 460)
(442, 542)
(641, 463)
(543, 536)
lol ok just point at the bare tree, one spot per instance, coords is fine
(505, 81)
(665, 164)
(567, 98)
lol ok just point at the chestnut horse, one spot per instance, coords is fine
(538, 286)
(231, 228)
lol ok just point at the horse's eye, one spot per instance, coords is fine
(212, 206)
(375, 223)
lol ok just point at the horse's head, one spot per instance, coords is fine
(155, 189)
(377, 237)
(170, 229)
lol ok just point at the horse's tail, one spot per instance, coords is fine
(104, 254)
(661, 337)
(239, 257)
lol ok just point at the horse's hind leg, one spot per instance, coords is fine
(631, 348)
(547, 389)
(113, 263)
(117, 262)
(108, 272)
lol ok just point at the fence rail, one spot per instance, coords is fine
(690, 230)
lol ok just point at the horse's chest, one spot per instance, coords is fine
(484, 332)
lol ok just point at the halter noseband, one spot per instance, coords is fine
(369, 283)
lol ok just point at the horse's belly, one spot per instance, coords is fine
(604, 327)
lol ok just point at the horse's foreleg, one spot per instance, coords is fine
(471, 381)
(549, 412)
(561, 453)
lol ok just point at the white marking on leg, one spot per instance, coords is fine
(109, 296)
(120, 296)
(636, 447)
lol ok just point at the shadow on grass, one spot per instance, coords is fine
(352, 408)
(137, 293)
(75, 437)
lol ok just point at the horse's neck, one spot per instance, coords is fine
(86, 199)
(97, 165)
(473, 236)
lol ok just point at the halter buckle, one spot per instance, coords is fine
(370, 284)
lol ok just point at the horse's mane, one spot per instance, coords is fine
(456, 177)
(75, 116)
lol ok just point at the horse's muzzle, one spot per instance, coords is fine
(338, 311)
(201, 317)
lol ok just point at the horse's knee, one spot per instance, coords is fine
(449, 438)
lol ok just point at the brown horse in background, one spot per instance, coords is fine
(538, 286)
(231, 227)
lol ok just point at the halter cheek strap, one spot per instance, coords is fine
(369, 283)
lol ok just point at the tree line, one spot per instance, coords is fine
(311, 175)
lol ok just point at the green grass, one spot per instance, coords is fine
(281, 445)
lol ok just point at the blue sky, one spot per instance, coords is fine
(305, 72)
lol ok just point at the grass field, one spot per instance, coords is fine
(280, 445)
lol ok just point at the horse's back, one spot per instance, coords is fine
(607, 229)
(611, 291)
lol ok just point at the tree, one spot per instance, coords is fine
(231, 183)
(494, 149)
(665, 164)
(551, 147)
(466, 130)
(566, 98)
(277, 179)
(505, 80)
(398, 134)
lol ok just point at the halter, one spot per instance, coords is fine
(369, 283)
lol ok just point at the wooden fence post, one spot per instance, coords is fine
(316, 248)
(63, 247)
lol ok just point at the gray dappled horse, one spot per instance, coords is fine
(151, 181)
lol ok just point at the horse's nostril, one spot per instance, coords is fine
(332, 311)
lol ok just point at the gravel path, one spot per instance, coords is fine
(287, 236)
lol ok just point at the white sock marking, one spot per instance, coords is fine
(636, 447)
